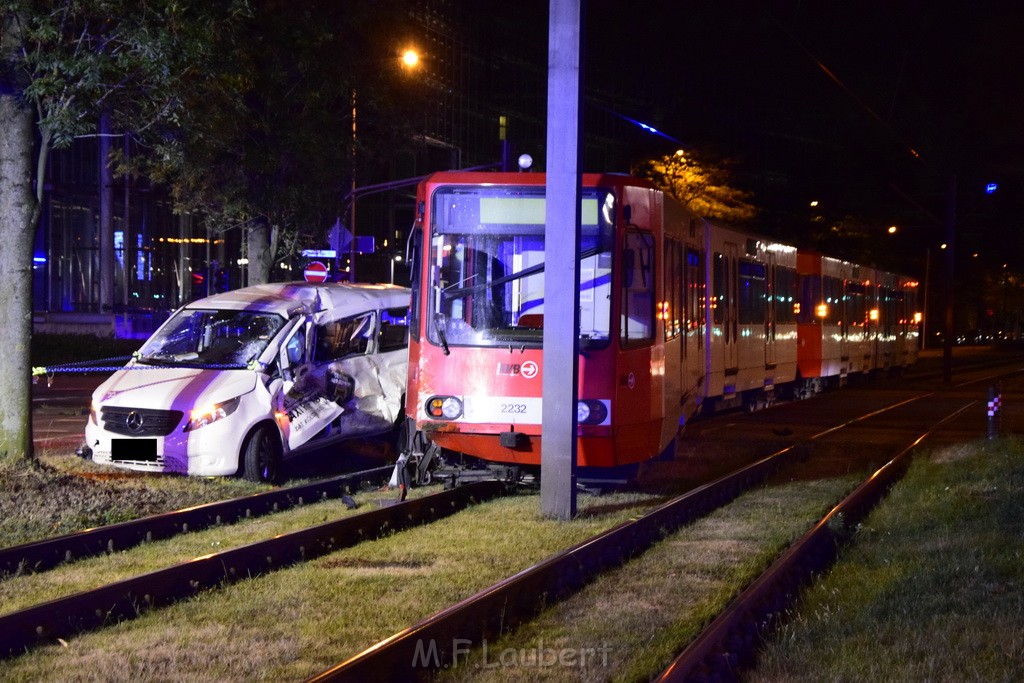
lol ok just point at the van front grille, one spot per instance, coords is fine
(140, 421)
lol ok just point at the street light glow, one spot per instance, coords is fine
(410, 58)
(892, 229)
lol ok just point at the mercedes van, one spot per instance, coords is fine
(234, 382)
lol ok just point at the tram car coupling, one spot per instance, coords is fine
(677, 315)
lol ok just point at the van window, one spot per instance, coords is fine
(394, 329)
(296, 348)
(340, 338)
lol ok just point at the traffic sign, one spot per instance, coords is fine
(315, 272)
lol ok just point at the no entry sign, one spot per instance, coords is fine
(315, 272)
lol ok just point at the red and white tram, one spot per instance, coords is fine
(675, 314)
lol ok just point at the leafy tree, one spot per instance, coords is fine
(699, 184)
(63, 64)
(266, 142)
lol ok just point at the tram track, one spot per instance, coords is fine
(728, 644)
(126, 599)
(51, 552)
(517, 599)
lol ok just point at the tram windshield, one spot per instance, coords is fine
(487, 266)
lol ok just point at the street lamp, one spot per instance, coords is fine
(410, 61)
(394, 260)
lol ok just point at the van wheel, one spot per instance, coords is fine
(262, 456)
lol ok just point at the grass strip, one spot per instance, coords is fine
(63, 494)
(294, 623)
(19, 592)
(630, 623)
(932, 587)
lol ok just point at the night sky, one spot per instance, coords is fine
(830, 101)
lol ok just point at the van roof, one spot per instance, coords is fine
(285, 298)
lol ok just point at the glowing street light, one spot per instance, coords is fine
(410, 58)
(394, 260)
(410, 61)
(892, 229)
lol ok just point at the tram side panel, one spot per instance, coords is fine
(681, 316)
(646, 407)
(747, 356)
(911, 317)
(898, 322)
(823, 350)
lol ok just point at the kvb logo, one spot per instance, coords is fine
(528, 369)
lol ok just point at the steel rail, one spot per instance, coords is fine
(440, 637)
(729, 643)
(436, 641)
(50, 552)
(122, 600)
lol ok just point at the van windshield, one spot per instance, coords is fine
(212, 338)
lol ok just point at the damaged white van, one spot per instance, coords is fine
(237, 381)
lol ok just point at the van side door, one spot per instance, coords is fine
(364, 362)
(309, 411)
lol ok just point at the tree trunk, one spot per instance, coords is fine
(18, 216)
(261, 253)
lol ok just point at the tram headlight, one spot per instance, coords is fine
(444, 407)
(590, 412)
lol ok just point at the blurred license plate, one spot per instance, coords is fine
(133, 449)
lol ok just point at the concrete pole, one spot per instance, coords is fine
(561, 258)
(106, 233)
(947, 347)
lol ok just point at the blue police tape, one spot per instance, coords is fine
(87, 366)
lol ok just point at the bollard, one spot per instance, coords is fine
(994, 400)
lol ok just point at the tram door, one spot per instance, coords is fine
(770, 315)
(730, 302)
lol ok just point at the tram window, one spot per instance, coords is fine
(752, 292)
(695, 287)
(637, 303)
(832, 297)
(856, 304)
(785, 295)
(718, 297)
(672, 309)
(416, 244)
(810, 299)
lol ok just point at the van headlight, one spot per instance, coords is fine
(204, 415)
